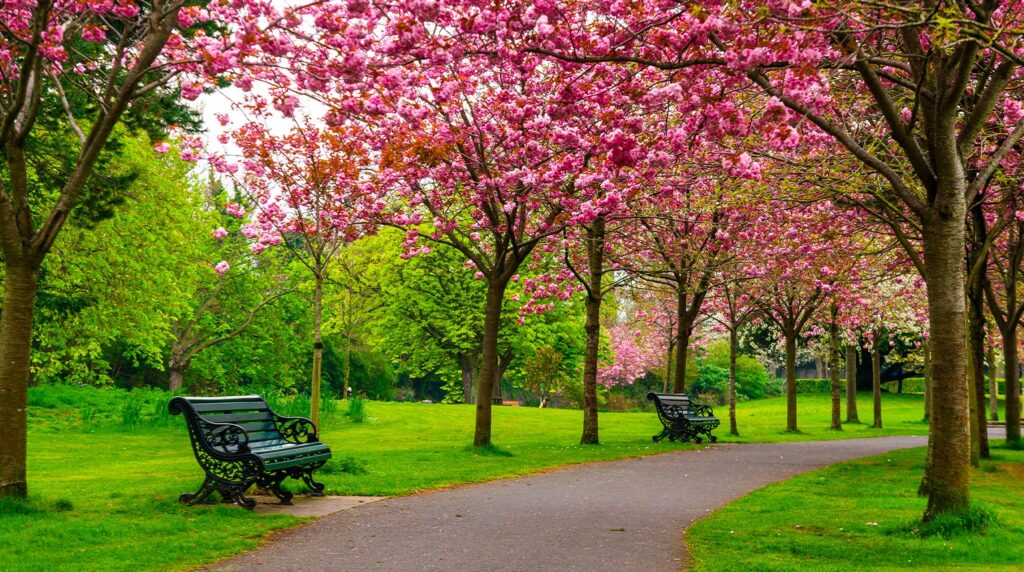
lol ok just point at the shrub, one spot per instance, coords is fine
(752, 380)
(812, 385)
(711, 384)
(356, 409)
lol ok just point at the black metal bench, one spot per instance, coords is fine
(240, 442)
(683, 419)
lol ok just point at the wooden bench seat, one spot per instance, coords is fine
(239, 442)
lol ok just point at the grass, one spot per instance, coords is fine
(865, 515)
(106, 467)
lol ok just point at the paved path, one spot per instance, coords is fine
(616, 516)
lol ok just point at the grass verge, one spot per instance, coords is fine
(865, 515)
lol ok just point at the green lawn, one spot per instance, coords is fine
(862, 515)
(103, 495)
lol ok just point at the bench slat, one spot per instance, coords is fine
(276, 466)
(240, 418)
(230, 406)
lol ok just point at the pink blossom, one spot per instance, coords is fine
(220, 232)
(222, 267)
(161, 147)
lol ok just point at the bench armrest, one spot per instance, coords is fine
(702, 410)
(223, 438)
(296, 429)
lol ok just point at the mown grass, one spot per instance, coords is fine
(864, 515)
(106, 468)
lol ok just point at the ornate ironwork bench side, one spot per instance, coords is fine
(239, 441)
(682, 419)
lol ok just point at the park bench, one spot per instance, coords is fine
(682, 418)
(239, 442)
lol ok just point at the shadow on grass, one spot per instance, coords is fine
(489, 450)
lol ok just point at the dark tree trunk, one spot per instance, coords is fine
(926, 348)
(993, 385)
(876, 384)
(837, 402)
(489, 360)
(976, 359)
(851, 384)
(732, 381)
(682, 342)
(668, 365)
(1012, 397)
(318, 346)
(790, 381)
(468, 364)
(20, 284)
(595, 264)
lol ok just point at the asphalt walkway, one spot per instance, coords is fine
(615, 516)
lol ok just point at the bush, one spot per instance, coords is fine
(356, 409)
(752, 380)
(812, 385)
(712, 384)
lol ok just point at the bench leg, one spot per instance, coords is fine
(200, 495)
(316, 489)
(657, 438)
(236, 494)
(274, 484)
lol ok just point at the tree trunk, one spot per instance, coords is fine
(175, 376)
(972, 393)
(926, 347)
(948, 474)
(592, 327)
(489, 360)
(791, 381)
(1012, 397)
(851, 384)
(876, 384)
(976, 361)
(346, 367)
(732, 380)
(668, 365)
(993, 385)
(682, 342)
(468, 364)
(837, 401)
(318, 346)
(20, 284)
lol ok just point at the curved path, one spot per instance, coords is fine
(618, 515)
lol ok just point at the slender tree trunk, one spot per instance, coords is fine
(318, 345)
(976, 361)
(346, 367)
(682, 343)
(851, 384)
(993, 385)
(837, 401)
(948, 475)
(489, 360)
(468, 364)
(1012, 397)
(972, 371)
(926, 346)
(876, 384)
(732, 380)
(595, 263)
(668, 365)
(20, 282)
(790, 381)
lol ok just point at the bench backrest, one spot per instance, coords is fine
(249, 412)
(670, 405)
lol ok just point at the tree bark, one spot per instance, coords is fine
(468, 365)
(976, 360)
(592, 327)
(175, 377)
(1012, 397)
(851, 384)
(682, 342)
(791, 381)
(346, 366)
(948, 475)
(20, 284)
(876, 384)
(668, 365)
(993, 385)
(837, 424)
(926, 347)
(732, 381)
(489, 360)
(318, 346)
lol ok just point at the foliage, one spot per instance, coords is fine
(752, 380)
(356, 411)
